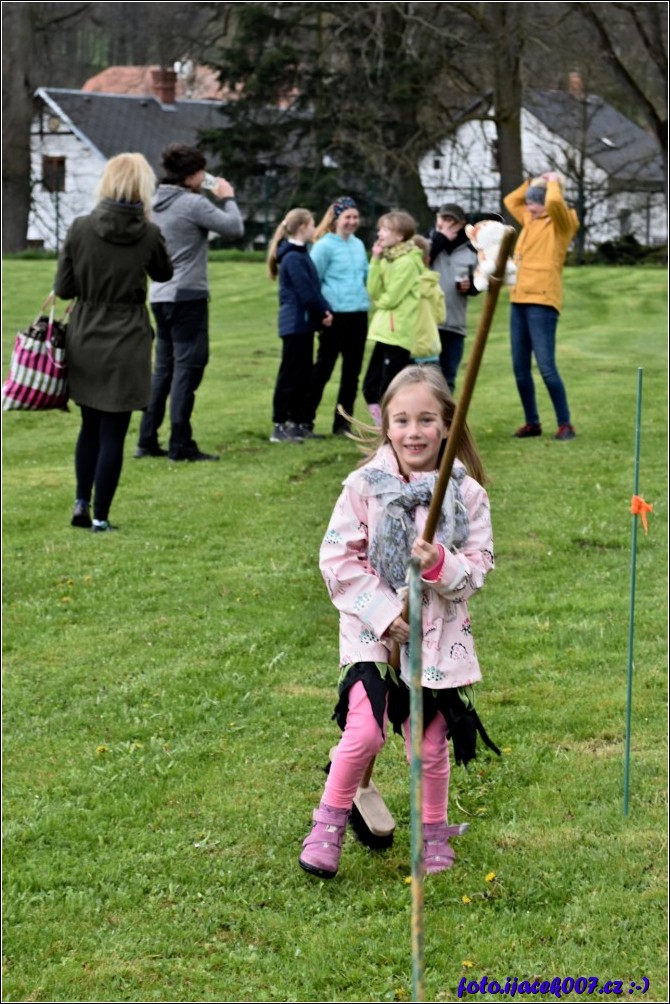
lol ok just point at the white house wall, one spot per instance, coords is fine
(463, 170)
(52, 213)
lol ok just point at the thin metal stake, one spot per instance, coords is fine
(416, 727)
(631, 617)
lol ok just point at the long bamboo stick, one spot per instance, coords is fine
(463, 403)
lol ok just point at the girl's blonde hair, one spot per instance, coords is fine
(326, 224)
(432, 378)
(289, 226)
(400, 221)
(128, 177)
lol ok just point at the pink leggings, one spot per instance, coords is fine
(362, 739)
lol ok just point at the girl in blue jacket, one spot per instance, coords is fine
(342, 263)
(302, 308)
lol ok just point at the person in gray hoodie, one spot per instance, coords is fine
(181, 306)
(454, 259)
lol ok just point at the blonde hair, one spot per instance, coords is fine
(289, 226)
(327, 223)
(400, 221)
(128, 177)
(541, 182)
(423, 245)
(371, 438)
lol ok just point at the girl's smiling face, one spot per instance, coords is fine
(416, 429)
(387, 237)
(347, 223)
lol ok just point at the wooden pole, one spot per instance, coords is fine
(463, 403)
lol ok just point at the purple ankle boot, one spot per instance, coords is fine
(322, 847)
(437, 854)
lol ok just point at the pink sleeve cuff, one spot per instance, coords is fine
(434, 573)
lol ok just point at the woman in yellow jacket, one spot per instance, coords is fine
(548, 228)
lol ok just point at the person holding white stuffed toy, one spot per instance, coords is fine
(549, 226)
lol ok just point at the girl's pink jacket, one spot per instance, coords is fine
(368, 605)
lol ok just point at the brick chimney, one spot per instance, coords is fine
(164, 85)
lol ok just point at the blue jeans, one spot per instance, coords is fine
(533, 332)
(453, 345)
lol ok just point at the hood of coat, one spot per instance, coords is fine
(286, 247)
(167, 194)
(119, 222)
(428, 281)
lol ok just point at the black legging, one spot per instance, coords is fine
(385, 363)
(98, 456)
(345, 337)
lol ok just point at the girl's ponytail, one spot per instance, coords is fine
(279, 233)
(290, 225)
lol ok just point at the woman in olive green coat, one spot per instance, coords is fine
(105, 262)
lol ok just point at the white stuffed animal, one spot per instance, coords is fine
(486, 237)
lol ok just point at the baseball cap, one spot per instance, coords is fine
(451, 209)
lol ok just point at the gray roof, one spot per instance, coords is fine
(120, 123)
(625, 152)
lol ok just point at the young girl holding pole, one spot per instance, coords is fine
(375, 528)
(302, 308)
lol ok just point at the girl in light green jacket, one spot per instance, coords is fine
(394, 285)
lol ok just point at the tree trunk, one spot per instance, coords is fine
(17, 112)
(505, 31)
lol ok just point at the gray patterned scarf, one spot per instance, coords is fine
(391, 546)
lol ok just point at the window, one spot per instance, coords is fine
(53, 174)
(437, 163)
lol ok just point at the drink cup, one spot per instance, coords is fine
(209, 182)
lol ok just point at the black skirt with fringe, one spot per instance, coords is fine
(381, 682)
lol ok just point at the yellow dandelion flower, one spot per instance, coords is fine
(466, 899)
(408, 880)
(467, 964)
(490, 877)
(102, 749)
(507, 749)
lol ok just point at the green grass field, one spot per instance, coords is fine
(168, 692)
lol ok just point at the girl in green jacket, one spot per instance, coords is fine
(394, 285)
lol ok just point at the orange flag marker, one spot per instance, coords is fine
(639, 507)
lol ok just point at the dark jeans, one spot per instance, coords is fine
(453, 345)
(533, 332)
(386, 362)
(98, 456)
(289, 403)
(345, 337)
(182, 352)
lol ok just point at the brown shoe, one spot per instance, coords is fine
(565, 432)
(527, 430)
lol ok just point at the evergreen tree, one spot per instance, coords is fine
(334, 97)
